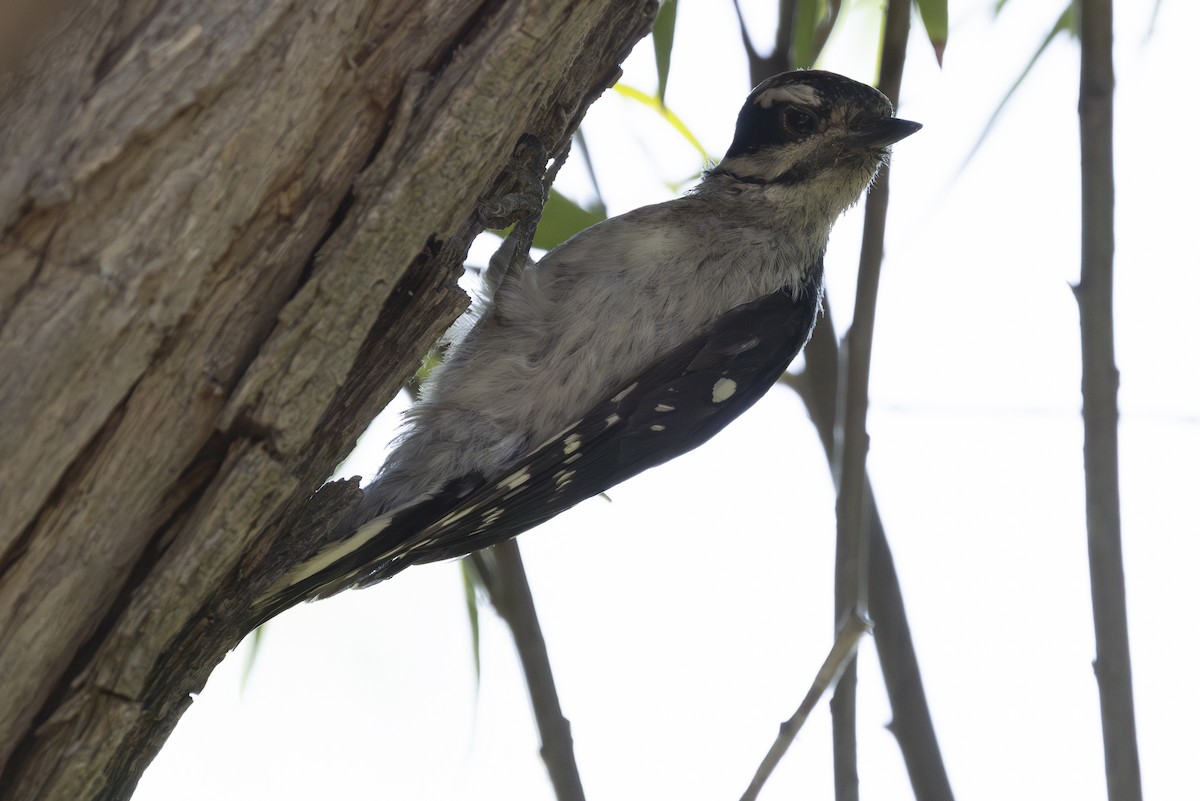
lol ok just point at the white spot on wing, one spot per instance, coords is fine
(620, 396)
(451, 519)
(575, 457)
(515, 480)
(664, 407)
(571, 444)
(492, 515)
(723, 390)
(562, 478)
(657, 427)
(611, 420)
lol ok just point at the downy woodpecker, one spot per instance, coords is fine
(631, 343)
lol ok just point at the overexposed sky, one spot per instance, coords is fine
(686, 618)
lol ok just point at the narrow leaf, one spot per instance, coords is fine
(1153, 19)
(586, 155)
(664, 39)
(1065, 22)
(430, 362)
(807, 19)
(562, 218)
(664, 112)
(935, 15)
(472, 598)
(253, 648)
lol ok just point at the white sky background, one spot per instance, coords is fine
(686, 618)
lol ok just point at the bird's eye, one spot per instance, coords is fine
(799, 121)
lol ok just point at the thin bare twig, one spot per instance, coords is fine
(826, 26)
(911, 724)
(747, 45)
(1114, 673)
(779, 59)
(586, 155)
(785, 34)
(503, 575)
(845, 645)
(853, 537)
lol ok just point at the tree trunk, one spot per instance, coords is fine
(230, 231)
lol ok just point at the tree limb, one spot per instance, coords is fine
(853, 542)
(230, 231)
(1114, 673)
(503, 574)
(845, 646)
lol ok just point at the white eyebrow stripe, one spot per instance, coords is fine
(800, 93)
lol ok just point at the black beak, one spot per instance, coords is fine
(882, 132)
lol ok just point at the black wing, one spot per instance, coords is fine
(673, 406)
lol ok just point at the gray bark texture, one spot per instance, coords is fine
(229, 230)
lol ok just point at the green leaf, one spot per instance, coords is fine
(935, 15)
(668, 115)
(1065, 23)
(430, 362)
(469, 587)
(1153, 18)
(586, 155)
(253, 648)
(664, 39)
(807, 21)
(562, 218)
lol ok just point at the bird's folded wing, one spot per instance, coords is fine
(674, 405)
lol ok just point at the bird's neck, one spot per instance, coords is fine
(802, 212)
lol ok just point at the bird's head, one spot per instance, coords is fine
(816, 131)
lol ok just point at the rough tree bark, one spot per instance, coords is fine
(229, 232)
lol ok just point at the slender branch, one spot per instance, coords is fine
(850, 590)
(779, 59)
(826, 26)
(586, 155)
(845, 645)
(752, 56)
(785, 33)
(499, 568)
(508, 587)
(1094, 293)
(912, 725)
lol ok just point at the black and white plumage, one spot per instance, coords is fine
(631, 343)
